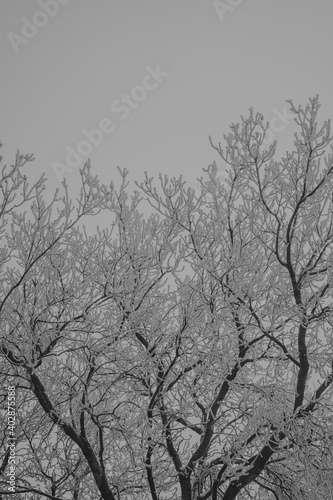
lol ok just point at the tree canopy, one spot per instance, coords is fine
(184, 354)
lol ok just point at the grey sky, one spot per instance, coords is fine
(86, 54)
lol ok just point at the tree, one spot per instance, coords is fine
(184, 354)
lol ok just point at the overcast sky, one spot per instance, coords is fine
(156, 77)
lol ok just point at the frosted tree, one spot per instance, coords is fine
(184, 354)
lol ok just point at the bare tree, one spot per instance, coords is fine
(185, 354)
